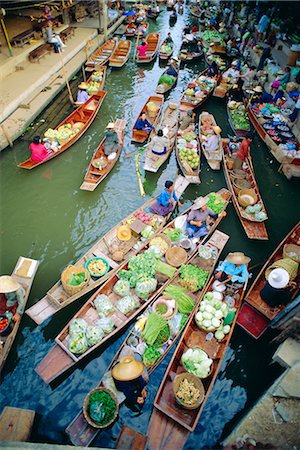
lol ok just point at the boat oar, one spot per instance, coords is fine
(65, 77)
(139, 176)
(136, 46)
(131, 153)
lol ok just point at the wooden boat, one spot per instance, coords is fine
(167, 416)
(192, 175)
(83, 115)
(164, 55)
(131, 439)
(187, 55)
(187, 103)
(195, 11)
(57, 298)
(274, 148)
(24, 273)
(169, 119)
(219, 59)
(153, 42)
(255, 315)
(79, 431)
(141, 136)
(101, 55)
(94, 176)
(121, 54)
(237, 131)
(121, 30)
(60, 358)
(163, 88)
(213, 158)
(253, 229)
(131, 30)
(152, 14)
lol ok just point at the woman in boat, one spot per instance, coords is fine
(196, 220)
(236, 93)
(11, 298)
(111, 139)
(143, 124)
(213, 69)
(211, 142)
(278, 289)
(172, 68)
(243, 151)
(142, 30)
(38, 150)
(82, 95)
(159, 143)
(187, 123)
(166, 201)
(142, 49)
(234, 268)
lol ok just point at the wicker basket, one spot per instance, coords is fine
(164, 237)
(175, 256)
(198, 385)
(85, 406)
(292, 248)
(65, 276)
(287, 264)
(240, 183)
(249, 193)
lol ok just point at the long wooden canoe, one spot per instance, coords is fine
(187, 103)
(57, 298)
(192, 175)
(253, 229)
(79, 431)
(213, 158)
(101, 55)
(153, 43)
(169, 119)
(131, 30)
(121, 54)
(24, 273)
(237, 131)
(167, 414)
(256, 315)
(164, 55)
(94, 176)
(60, 359)
(84, 114)
(164, 88)
(141, 136)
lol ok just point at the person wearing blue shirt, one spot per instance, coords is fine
(234, 268)
(166, 201)
(143, 124)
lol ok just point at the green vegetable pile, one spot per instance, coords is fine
(184, 302)
(173, 233)
(215, 203)
(77, 278)
(150, 356)
(140, 267)
(167, 79)
(154, 325)
(165, 269)
(192, 277)
(212, 36)
(163, 336)
(166, 48)
(240, 118)
(101, 407)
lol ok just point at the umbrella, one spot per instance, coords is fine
(129, 13)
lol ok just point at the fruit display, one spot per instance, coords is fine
(97, 76)
(64, 132)
(239, 116)
(199, 88)
(94, 86)
(188, 149)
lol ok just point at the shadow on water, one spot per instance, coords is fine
(46, 216)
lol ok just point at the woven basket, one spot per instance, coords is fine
(164, 237)
(292, 248)
(287, 264)
(175, 256)
(85, 406)
(66, 274)
(198, 385)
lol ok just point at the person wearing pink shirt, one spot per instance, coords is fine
(38, 150)
(142, 49)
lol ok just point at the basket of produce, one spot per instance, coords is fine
(165, 307)
(152, 109)
(162, 241)
(247, 197)
(239, 173)
(100, 408)
(239, 184)
(197, 362)
(74, 279)
(292, 251)
(192, 277)
(176, 256)
(6, 325)
(188, 390)
(99, 163)
(97, 267)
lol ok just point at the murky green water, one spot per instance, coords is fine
(44, 215)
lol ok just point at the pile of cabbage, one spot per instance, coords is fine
(82, 336)
(188, 149)
(215, 315)
(167, 79)
(166, 48)
(64, 132)
(197, 362)
(257, 212)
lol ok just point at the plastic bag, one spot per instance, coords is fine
(127, 304)
(78, 344)
(144, 288)
(103, 305)
(174, 324)
(106, 324)
(77, 327)
(94, 334)
(122, 288)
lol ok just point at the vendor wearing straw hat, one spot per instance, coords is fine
(11, 298)
(129, 379)
(82, 95)
(196, 221)
(112, 140)
(234, 268)
(278, 289)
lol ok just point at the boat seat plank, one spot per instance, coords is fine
(42, 310)
(164, 433)
(252, 321)
(80, 432)
(16, 424)
(130, 439)
(57, 361)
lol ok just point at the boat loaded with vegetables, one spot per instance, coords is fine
(166, 50)
(221, 63)
(188, 154)
(157, 329)
(115, 247)
(213, 37)
(197, 92)
(126, 294)
(199, 354)
(246, 198)
(166, 82)
(238, 118)
(95, 83)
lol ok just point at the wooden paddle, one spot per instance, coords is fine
(137, 43)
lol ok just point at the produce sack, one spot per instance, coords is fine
(79, 344)
(103, 305)
(105, 324)
(77, 327)
(127, 304)
(152, 109)
(166, 79)
(122, 288)
(144, 288)
(94, 334)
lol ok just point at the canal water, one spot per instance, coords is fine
(44, 215)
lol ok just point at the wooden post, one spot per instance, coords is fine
(137, 43)
(83, 73)
(65, 77)
(8, 138)
(104, 17)
(5, 33)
